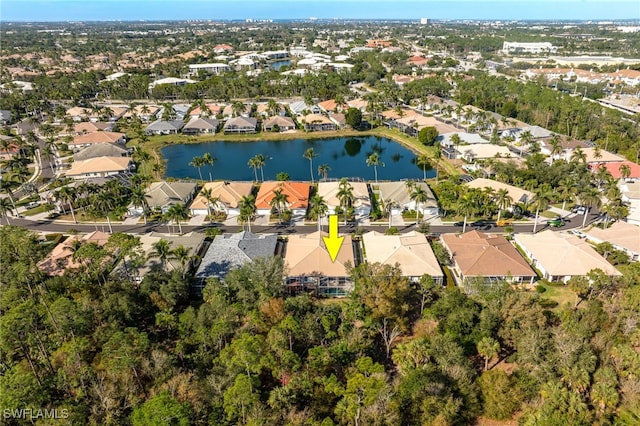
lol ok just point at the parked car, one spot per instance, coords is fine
(484, 224)
(504, 222)
(458, 224)
(579, 210)
(32, 205)
(555, 223)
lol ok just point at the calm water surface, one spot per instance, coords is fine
(345, 156)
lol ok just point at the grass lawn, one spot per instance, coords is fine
(559, 293)
(40, 209)
(548, 214)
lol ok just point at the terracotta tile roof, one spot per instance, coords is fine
(97, 137)
(614, 169)
(99, 165)
(297, 194)
(486, 255)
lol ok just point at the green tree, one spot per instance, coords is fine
(424, 162)
(318, 209)
(323, 170)
(353, 117)
(488, 348)
(209, 160)
(310, 154)
(279, 202)
(374, 160)
(428, 135)
(198, 162)
(177, 212)
(247, 209)
(419, 195)
(162, 410)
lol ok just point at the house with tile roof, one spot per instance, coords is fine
(399, 195)
(86, 139)
(518, 195)
(310, 269)
(61, 257)
(164, 127)
(411, 251)
(317, 123)
(486, 257)
(241, 125)
(297, 196)
(622, 236)
(616, 169)
(231, 251)
(560, 256)
(161, 196)
(91, 127)
(201, 126)
(101, 150)
(283, 124)
(100, 167)
(229, 195)
(361, 201)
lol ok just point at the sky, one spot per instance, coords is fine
(134, 10)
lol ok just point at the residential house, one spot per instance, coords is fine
(161, 196)
(200, 126)
(211, 110)
(229, 195)
(339, 119)
(230, 251)
(310, 269)
(282, 124)
(297, 196)
(486, 257)
(331, 105)
(170, 80)
(560, 256)
(361, 201)
(411, 251)
(91, 127)
(194, 242)
(300, 108)
(61, 257)
(518, 195)
(163, 127)
(399, 196)
(317, 123)
(145, 112)
(87, 139)
(5, 116)
(600, 156)
(241, 125)
(622, 236)
(100, 150)
(82, 114)
(100, 167)
(616, 170)
(25, 126)
(8, 147)
(472, 153)
(631, 197)
(215, 68)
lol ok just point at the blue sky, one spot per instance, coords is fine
(97, 10)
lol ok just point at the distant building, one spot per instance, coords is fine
(424, 21)
(516, 47)
(217, 68)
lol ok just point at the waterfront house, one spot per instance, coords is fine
(361, 201)
(100, 167)
(241, 125)
(297, 196)
(229, 195)
(200, 126)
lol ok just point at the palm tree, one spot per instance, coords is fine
(208, 160)
(566, 190)
(589, 198)
(503, 201)
(625, 171)
(345, 195)
(161, 250)
(419, 195)
(103, 203)
(238, 108)
(310, 154)
(556, 146)
(247, 209)
(578, 156)
(198, 162)
(5, 208)
(168, 112)
(182, 255)
(318, 208)
(541, 202)
(488, 348)
(207, 193)
(177, 212)
(279, 202)
(467, 206)
(423, 161)
(374, 160)
(67, 195)
(323, 170)
(6, 185)
(456, 140)
(525, 139)
(253, 164)
(138, 198)
(260, 161)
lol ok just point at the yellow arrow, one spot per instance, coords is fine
(333, 242)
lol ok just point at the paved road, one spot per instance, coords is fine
(58, 226)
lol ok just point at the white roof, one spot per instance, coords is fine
(621, 234)
(411, 250)
(484, 151)
(518, 195)
(562, 254)
(329, 191)
(466, 138)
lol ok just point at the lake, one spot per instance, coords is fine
(345, 156)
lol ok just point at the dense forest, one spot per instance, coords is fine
(393, 353)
